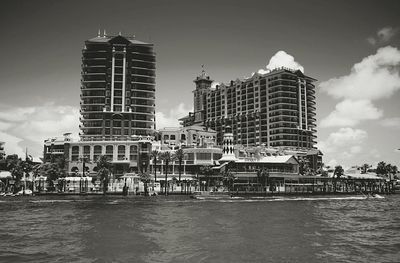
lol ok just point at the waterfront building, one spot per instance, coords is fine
(125, 155)
(276, 109)
(189, 136)
(117, 88)
(117, 108)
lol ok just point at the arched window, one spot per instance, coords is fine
(121, 152)
(96, 152)
(133, 152)
(86, 152)
(109, 152)
(75, 153)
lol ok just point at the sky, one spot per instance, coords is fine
(351, 47)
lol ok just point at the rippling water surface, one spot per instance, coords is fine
(179, 229)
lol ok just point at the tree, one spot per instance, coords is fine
(103, 171)
(15, 167)
(228, 178)
(155, 154)
(303, 166)
(262, 177)
(51, 172)
(338, 171)
(391, 170)
(167, 158)
(381, 168)
(207, 172)
(145, 178)
(364, 168)
(62, 163)
(179, 156)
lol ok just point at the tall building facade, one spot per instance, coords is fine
(118, 88)
(276, 109)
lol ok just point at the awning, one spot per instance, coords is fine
(5, 174)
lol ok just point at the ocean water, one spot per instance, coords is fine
(180, 229)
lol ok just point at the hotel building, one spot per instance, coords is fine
(276, 109)
(117, 88)
(117, 107)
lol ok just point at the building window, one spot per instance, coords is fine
(86, 152)
(121, 152)
(75, 153)
(133, 152)
(109, 152)
(96, 152)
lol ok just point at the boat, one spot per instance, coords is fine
(211, 195)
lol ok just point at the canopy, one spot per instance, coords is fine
(86, 178)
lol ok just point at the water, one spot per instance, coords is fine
(179, 229)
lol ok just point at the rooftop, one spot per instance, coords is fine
(105, 39)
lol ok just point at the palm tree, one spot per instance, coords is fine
(179, 156)
(166, 157)
(15, 166)
(103, 171)
(145, 178)
(381, 168)
(263, 176)
(228, 178)
(394, 170)
(207, 172)
(51, 172)
(364, 168)
(338, 172)
(155, 154)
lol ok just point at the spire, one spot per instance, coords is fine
(98, 33)
(203, 72)
(104, 34)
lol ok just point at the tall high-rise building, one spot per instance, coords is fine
(276, 109)
(118, 88)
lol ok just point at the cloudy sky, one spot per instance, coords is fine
(351, 47)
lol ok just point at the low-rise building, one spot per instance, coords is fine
(125, 154)
(190, 136)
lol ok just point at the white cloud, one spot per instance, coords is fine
(375, 77)
(344, 140)
(391, 122)
(263, 71)
(171, 119)
(24, 126)
(349, 113)
(383, 35)
(332, 163)
(214, 84)
(283, 59)
(12, 145)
